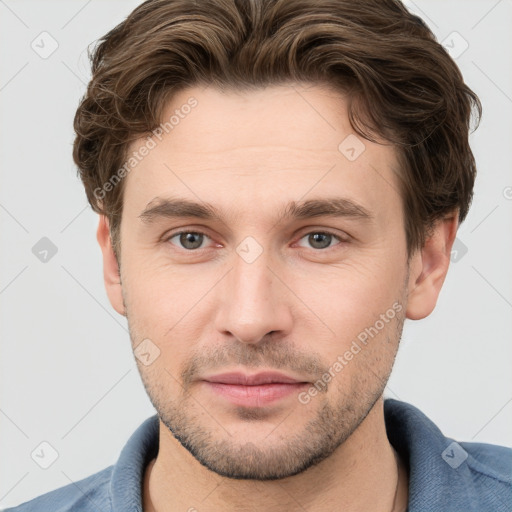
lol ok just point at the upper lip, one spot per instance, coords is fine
(252, 380)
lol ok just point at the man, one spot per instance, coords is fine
(279, 186)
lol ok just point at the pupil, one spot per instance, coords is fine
(187, 240)
(317, 240)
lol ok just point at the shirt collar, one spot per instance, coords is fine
(128, 473)
(434, 484)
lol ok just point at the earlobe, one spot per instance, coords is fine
(429, 268)
(111, 275)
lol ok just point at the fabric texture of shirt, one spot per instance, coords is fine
(444, 476)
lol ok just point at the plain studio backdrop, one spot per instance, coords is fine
(68, 376)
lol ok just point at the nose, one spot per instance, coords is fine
(253, 301)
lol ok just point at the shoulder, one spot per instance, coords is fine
(490, 461)
(117, 487)
(446, 474)
(87, 495)
(486, 474)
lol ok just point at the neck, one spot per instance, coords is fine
(362, 474)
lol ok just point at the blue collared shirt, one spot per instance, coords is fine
(444, 476)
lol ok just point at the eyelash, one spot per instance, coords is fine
(198, 232)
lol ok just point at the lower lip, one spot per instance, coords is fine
(255, 396)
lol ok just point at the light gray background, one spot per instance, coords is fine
(68, 374)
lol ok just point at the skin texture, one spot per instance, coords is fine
(296, 307)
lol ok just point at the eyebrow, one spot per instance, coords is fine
(159, 208)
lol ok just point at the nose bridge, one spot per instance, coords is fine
(252, 281)
(252, 303)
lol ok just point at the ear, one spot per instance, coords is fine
(111, 274)
(429, 267)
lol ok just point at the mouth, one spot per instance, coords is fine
(256, 390)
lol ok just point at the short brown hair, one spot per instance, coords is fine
(402, 86)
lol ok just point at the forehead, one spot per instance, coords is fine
(243, 150)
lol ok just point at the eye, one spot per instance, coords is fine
(195, 240)
(189, 240)
(321, 239)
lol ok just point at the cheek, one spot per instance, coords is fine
(167, 304)
(351, 295)
(359, 308)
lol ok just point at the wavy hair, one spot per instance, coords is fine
(402, 86)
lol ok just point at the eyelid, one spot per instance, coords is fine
(338, 233)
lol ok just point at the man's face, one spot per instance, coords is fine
(253, 289)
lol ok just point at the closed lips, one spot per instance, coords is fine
(253, 380)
